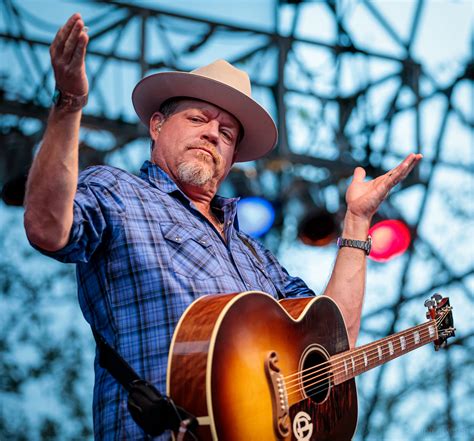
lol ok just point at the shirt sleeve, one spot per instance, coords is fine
(98, 210)
(285, 284)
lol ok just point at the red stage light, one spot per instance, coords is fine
(390, 238)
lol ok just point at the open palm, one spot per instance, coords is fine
(364, 197)
(68, 51)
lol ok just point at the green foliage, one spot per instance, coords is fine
(46, 350)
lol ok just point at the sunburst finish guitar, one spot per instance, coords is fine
(251, 368)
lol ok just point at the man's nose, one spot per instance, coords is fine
(211, 132)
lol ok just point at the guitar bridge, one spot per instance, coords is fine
(279, 396)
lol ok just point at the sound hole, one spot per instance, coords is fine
(316, 376)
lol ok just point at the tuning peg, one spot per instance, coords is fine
(431, 313)
(437, 297)
(430, 303)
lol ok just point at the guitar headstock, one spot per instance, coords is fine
(440, 310)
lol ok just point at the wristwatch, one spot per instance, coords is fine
(352, 243)
(68, 101)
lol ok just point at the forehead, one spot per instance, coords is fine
(210, 110)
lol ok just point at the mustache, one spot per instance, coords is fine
(208, 148)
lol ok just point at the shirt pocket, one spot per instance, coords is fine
(192, 252)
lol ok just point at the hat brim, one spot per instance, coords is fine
(260, 132)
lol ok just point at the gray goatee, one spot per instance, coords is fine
(195, 174)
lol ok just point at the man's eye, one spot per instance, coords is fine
(227, 135)
(196, 119)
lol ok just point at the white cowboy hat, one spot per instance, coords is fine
(220, 84)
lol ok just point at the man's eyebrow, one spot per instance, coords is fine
(227, 122)
(231, 124)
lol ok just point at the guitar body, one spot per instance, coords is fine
(230, 352)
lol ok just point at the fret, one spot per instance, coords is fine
(416, 336)
(390, 347)
(356, 361)
(431, 331)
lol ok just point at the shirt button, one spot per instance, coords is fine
(177, 239)
(203, 241)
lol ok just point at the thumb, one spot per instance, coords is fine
(359, 174)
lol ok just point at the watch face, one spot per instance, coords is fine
(56, 96)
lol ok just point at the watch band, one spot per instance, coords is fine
(353, 243)
(68, 101)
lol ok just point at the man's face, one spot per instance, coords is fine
(195, 145)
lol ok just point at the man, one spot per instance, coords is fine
(147, 246)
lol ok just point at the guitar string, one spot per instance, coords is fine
(327, 370)
(313, 388)
(367, 346)
(338, 359)
(346, 353)
(325, 381)
(310, 388)
(322, 383)
(357, 353)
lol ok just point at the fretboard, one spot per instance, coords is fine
(356, 361)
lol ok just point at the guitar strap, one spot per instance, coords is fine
(113, 362)
(252, 249)
(152, 411)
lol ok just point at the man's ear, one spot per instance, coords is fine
(156, 121)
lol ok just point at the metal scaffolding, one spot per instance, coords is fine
(339, 102)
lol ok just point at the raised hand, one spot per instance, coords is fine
(363, 198)
(68, 52)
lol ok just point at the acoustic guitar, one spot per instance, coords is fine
(251, 368)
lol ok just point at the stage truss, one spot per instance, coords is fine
(341, 98)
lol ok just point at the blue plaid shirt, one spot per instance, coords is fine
(144, 253)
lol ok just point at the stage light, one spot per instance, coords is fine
(256, 215)
(318, 228)
(13, 192)
(390, 238)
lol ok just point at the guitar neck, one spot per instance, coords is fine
(356, 361)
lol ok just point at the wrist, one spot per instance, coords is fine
(68, 102)
(57, 114)
(355, 227)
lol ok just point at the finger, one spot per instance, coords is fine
(359, 174)
(409, 165)
(80, 51)
(72, 40)
(408, 169)
(402, 170)
(63, 33)
(386, 182)
(415, 159)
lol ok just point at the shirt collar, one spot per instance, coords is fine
(158, 178)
